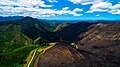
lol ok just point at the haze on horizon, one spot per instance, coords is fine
(62, 9)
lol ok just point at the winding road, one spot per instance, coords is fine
(32, 57)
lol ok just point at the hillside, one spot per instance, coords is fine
(103, 42)
(10, 18)
(71, 32)
(98, 45)
(19, 37)
(32, 42)
(61, 26)
(30, 27)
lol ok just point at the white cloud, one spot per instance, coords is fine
(98, 15)
(116, 6)
(32, 8)
(35, 11)
(85, 2)
(105, 7)
(77, 10)
(53, 1)
(24, 3)
(65, 8)
(115, 9)
(100, 7)
(77, 14)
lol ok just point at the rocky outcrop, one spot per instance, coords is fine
(60, 55)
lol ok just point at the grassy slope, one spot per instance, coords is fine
(16, 45)
(33, 54)
(16, 58)
(40, 53)
(31, 59)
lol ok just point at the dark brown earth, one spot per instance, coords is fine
(97, 47)
(102, 45)
(60, 55)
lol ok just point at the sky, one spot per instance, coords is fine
(62, 9)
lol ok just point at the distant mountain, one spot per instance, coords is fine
(108, 21)
(71, 32)
(30, 27)
(51, 26)
(61, 26)
(10, 18)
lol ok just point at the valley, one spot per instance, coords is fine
(29, 42)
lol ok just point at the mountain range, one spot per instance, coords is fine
(81, 44)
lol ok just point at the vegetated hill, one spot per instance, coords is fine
(14, 45)
(18, 34)
(19, 37)
(31, 27)
(61, 26)
(10, 18)
(50, 25)
(71, 32)
(107, 21)
(11, 38)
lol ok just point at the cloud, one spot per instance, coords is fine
(105, 7)
(65, 8)
(98, 15)
(116, 6)
(115, 9)
(78, 14)
(100, 7)
(77, 10)
(35, 12)
(67, 12)
(85, 2)
(33, 8)
(24, 3)
(51, 1)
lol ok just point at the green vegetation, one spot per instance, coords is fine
(12, 40)
(74, 45)
(21, 40)
(33, 56)
(16, 58)
(61, 26)
(31, 59)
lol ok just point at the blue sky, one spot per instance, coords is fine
(62, 9)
